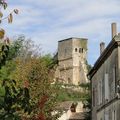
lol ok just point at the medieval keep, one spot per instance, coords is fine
(72, 68)
(105, 81)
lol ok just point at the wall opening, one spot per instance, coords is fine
(80, 50)
(75, 49)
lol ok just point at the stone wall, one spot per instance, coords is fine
(72, 67)
(64, 49)
(98, 87)
(111, 112)
(104, 88)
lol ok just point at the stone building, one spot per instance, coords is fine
(105, 81)
(73, 111)
(72, 67)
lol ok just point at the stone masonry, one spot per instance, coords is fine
(105, 81)
(72, 68)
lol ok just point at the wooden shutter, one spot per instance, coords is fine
(106, 87)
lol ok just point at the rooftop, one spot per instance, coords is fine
(78, 116)
(107, 51)
(65, 105)
(73, 38)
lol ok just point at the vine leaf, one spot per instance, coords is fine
(2, 33)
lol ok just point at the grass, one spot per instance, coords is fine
(69, 95)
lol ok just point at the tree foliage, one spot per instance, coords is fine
(25, 79)
(36, 75)
(14, 99)
(3, 4)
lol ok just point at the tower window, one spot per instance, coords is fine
(75, 49)
(80, 50)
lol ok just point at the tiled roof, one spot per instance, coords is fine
(65, 105)
(78, 116)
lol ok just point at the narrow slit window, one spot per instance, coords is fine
(75, 49)
(80, 50)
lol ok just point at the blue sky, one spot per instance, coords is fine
(48, 21)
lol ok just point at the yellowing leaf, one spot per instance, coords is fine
(2, 33)
(1, 14)
(10, 18)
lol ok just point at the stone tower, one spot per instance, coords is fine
(72, 67)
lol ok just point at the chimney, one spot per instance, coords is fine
(114, 29)
(102, 47)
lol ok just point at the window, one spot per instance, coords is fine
(106, 87)
(118, 89)
(115, 77)
(75, 49)
(101, 95)
(93, 97)
(100, 92)
(113, 115)
(106, 116)
(80, 50)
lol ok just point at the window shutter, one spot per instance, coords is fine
(106, 116)
(106, 87)
(113, 115)
(114, 80)
(98, 89)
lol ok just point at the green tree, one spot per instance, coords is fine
(48, 60)
(12, 97)
(35, 73)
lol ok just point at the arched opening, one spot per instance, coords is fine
(80, 50)
(75, 49)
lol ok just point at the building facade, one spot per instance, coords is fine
(105, 81)
(72, 68)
